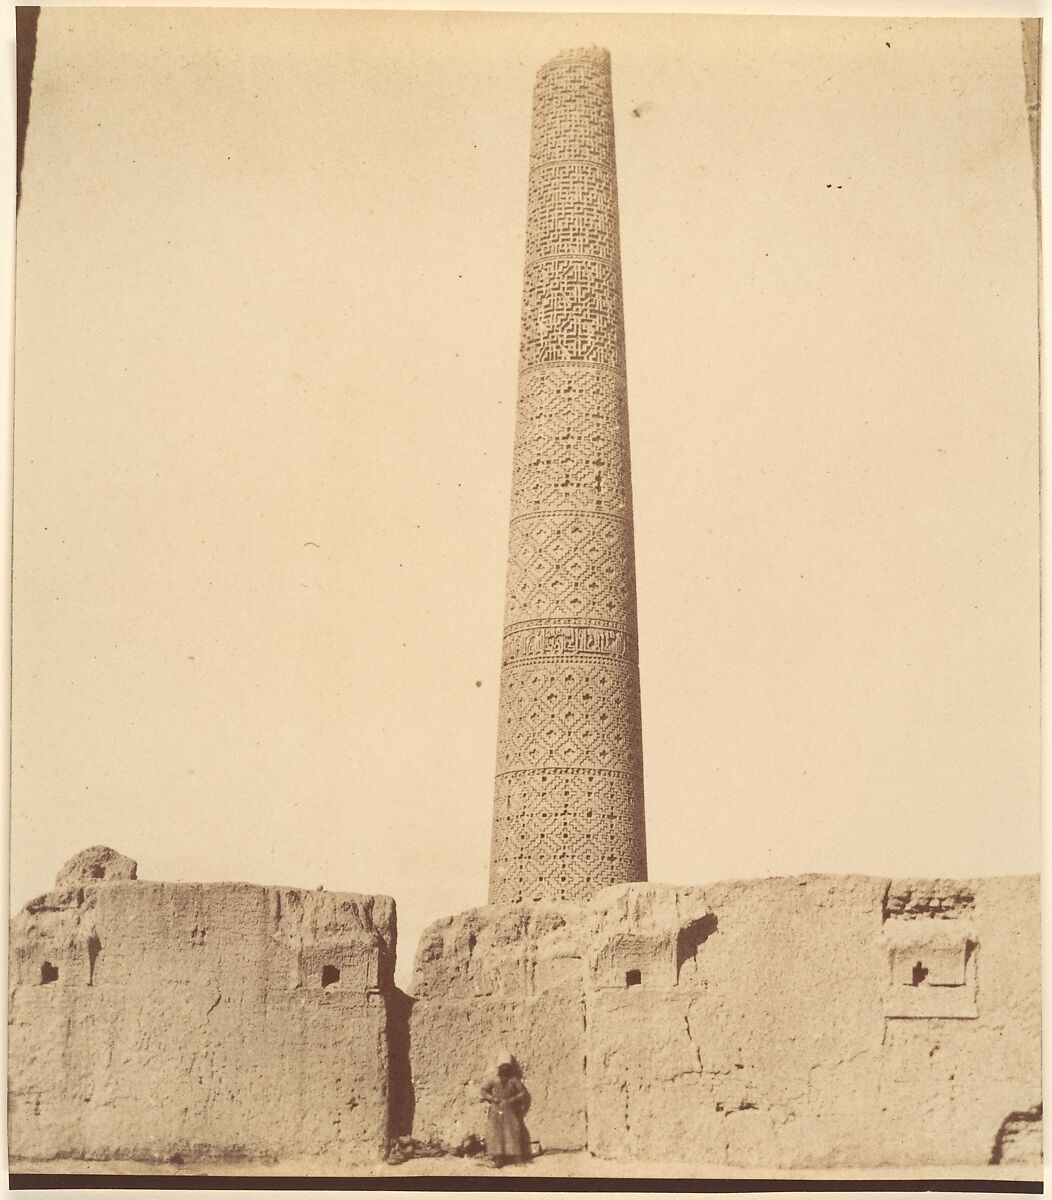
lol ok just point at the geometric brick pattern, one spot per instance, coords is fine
(572, 210)
(566, 712)
(568, 805)
(573, 118)
(571, 443)
(571, 312)
(569, 565)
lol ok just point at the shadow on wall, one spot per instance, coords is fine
(401, 1097)
(692, 936)
(818, 1021)
(1012, 1141)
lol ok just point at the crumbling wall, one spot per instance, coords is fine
(805, 1022)
(153, 1021)
(500, 977)
(812, 1021)
(821, 1021)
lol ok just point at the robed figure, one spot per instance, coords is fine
(507, 1139)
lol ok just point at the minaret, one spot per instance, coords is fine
(568, 809)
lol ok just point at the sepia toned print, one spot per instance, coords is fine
(568, 810)
(834, 1009)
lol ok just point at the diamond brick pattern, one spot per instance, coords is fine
(571, 565)
(564, 834)
(568, 806)
(571, 443)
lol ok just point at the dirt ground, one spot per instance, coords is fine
(577, 1165)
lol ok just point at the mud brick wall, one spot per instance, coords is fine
(804, 1022)
(811, 1021)
(151, 1021)
(818, 1021)
(492, 978)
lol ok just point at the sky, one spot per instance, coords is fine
(268, 279)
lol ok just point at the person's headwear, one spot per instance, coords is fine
(504, 1058)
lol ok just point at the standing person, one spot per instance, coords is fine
(507, 1139)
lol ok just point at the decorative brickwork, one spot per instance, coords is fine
(568, 810)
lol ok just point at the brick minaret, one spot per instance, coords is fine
(568, 809)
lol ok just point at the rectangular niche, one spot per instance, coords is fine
(338, 970)
(931, 977)
(629, 961)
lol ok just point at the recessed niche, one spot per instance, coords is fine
(931, 977)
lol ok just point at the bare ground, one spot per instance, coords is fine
(578, 1165)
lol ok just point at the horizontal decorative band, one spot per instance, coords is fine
(605, 771)
(542, 164)
(569, 658)
(608, 259)
(564, 639)
(538, 162)
(625, 518)
(584, 622)
(564, 660)
(575, 364)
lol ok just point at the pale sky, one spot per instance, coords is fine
(269, 269)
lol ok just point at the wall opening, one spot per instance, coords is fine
(633, 978)
(329, 975)
(94, 946)
(48, 973)
(920, 971)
